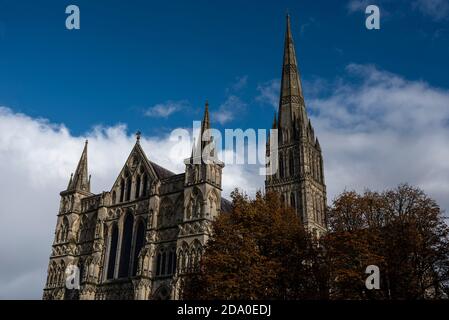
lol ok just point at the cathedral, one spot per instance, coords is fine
(143, 237)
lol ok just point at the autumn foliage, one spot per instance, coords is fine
(261, 251)
(258, 251)
(402, 231)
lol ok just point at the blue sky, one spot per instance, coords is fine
(128, 58)
(378, 100)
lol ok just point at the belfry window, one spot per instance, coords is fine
(291, 164)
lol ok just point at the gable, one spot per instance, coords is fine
(137, 163)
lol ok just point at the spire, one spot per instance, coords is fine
(80, 181)
(289, 51)
(291, 84)
(291, 98)
(204, 137)
(205, 126)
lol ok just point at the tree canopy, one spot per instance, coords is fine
(260, 250)
(402, 231)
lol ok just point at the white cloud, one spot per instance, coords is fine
(383, 131)
(436, 9)
(228, 110)
(269, 93)
(36, 159)
(240, 83)
(233, 104)
(164, 110)
(376, 132)
(358, 5)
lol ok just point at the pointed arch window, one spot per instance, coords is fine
(292, 201)
(171, 269)
(281, 166)
(163, 263)
(145, 185)
(125, 250)
(122, 189)
(112, 252)
(291, 164)
(128, 189)
(138, 180)
(140, 239)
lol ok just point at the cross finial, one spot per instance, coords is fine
(138, 134)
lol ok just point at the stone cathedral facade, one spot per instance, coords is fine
(143, 237)
(138, 240)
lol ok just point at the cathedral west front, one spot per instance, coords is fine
(144, 236)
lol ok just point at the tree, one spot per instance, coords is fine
(402, 231)
(258, 251)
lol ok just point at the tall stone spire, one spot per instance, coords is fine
(205, 124)
(204, 137)
(299, 177)
(291, 104)
(81, 180)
